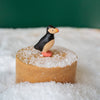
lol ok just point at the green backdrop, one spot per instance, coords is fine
(38, 13)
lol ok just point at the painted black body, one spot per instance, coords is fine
(43, 41)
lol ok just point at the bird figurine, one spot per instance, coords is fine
(47, 41)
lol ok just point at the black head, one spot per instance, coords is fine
(50, 26)
(51, 29)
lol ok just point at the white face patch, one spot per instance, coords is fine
(52, 30)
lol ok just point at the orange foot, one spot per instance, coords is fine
(47, 54)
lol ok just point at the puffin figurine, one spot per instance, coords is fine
(47, 41)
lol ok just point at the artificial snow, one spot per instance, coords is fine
(62, 57)
(84, 42)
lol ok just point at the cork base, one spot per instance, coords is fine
(33, 74)
(32, 67)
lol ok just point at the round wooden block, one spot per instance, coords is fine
(27, 68)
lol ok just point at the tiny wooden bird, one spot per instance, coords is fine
(47, 41)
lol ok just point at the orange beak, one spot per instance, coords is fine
(57, 30)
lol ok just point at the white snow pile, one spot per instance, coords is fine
(84, 42)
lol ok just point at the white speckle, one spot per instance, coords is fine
(48, 62)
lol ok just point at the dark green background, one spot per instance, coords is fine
(38, 13)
